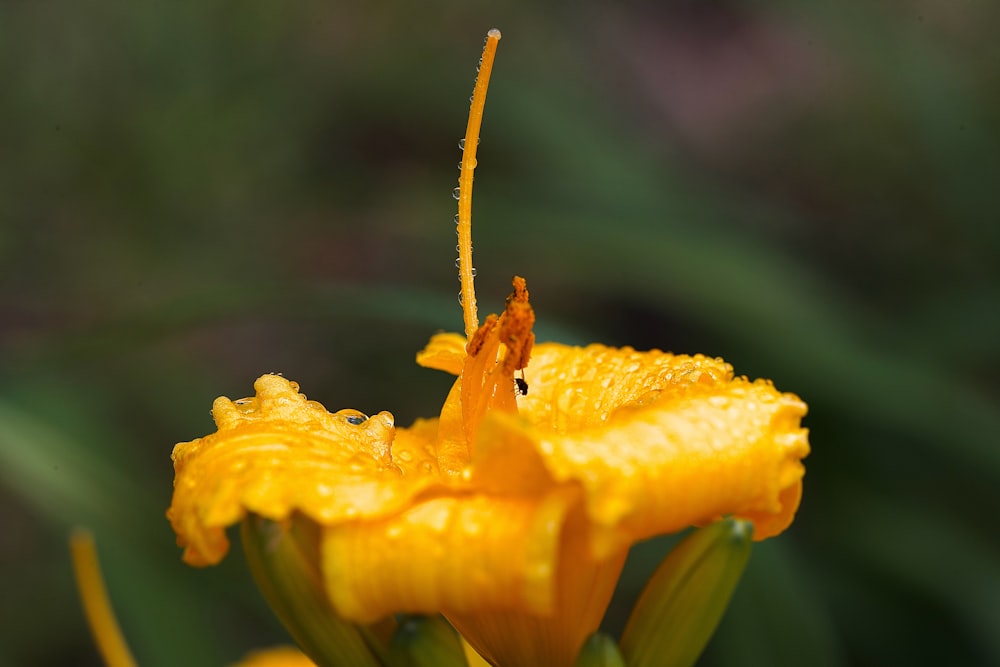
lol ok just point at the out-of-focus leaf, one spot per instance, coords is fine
(776, 617)
(922, 549)
(65, 485)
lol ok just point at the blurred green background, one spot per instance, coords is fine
(192, 194)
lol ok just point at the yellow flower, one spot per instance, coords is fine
(512, 511)
(528, 521)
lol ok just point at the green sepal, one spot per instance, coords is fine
(426, 641)
(283, 558)
(600, 650)
(684, 600)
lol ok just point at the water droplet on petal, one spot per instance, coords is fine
(456, 193)
(460, 301)
(458, 262)
(456, 218)
(473, 272)
(461, 143)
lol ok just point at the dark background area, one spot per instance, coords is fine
(192, 194)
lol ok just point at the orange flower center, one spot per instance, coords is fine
(499, 348)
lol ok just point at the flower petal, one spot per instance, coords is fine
(579, 387)
(584, 587)
(735, 449)
(660, 442)
(278, 452)
(444, 352)
(467, 553)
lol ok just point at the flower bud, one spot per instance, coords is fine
(426, 641)
(600, 650)
(684, 600)
(283, 558)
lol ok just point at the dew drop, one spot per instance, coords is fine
(458, 264)
(461, 143)
(456, 193)
(473, 272)
(460, 301)
(456, 218)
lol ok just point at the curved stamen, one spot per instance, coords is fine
(469, 145)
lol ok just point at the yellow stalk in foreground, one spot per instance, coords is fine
(96, 605)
